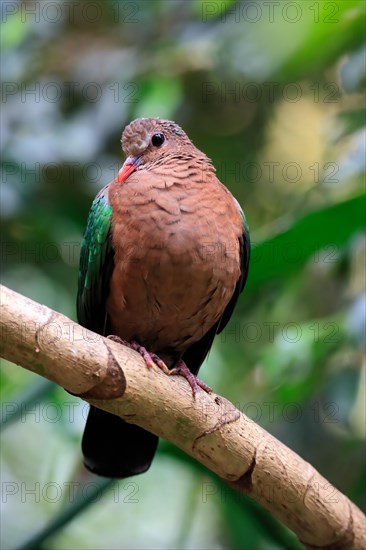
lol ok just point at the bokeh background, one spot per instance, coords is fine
(273, 92)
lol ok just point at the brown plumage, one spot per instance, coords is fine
(176, 233)
(180, 252)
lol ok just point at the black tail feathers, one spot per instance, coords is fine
(113, 448)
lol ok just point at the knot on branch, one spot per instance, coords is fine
(113, 383)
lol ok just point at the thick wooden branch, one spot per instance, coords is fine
(209, 428)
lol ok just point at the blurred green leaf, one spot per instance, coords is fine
(318, 48)
(351, 122)
(14, 26)
(250, 526)
(160, 96)
(286, 252)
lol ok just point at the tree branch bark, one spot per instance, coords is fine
(209, 428)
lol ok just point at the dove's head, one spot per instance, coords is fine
(146, 141)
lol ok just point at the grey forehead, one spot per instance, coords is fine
(173, 127)
(151, 124)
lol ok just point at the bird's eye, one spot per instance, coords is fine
(157, 140)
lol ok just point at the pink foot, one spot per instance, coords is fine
(181, 369)
(151, 359)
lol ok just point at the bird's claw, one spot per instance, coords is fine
(151, 359)
(181, 369)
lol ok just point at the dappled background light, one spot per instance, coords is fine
(271, 91)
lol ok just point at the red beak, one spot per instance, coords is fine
(129, 166)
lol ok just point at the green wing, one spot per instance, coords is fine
(96, 266)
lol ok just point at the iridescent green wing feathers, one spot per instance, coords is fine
(96, 265)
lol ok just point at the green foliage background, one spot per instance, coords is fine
(273, 92)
